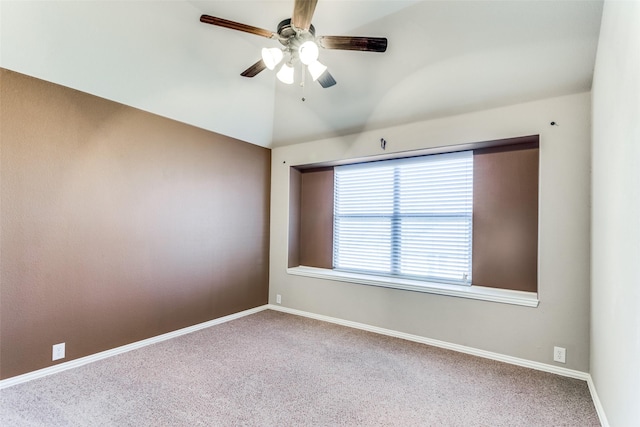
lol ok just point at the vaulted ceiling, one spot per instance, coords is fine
(443, 58)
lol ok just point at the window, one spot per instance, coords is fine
(408, 217)
(396, 223)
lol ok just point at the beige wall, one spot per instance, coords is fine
(562, 318)
(615, 294)
(118, 225)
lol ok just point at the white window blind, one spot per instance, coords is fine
(407, 217)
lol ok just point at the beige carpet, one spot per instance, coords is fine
(275, 369)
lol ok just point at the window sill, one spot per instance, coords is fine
(505, 296)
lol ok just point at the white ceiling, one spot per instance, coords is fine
(444, 58)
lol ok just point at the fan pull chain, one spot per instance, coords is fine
(302, 81)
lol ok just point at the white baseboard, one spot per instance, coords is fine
(597, 403)
(416, 338)
(123, 349)
(442, 344)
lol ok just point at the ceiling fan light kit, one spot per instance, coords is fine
(271, 57)
(298, 37)
(285, 75)
(308, 52)
(316, 69)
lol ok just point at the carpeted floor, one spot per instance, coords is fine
(275, 369)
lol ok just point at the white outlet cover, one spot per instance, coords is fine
(57, 352)
(559, 354)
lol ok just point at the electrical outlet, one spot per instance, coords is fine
(58, 351)
(279, 299)
(560, 354)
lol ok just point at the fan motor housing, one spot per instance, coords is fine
(288, 34)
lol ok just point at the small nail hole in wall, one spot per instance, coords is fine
(383, 143)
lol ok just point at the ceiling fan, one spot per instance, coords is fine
(300, 44)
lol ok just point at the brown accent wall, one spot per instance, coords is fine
(295, 181)
(316, 218)
(505, 217)
(311, 217)
(118, 225)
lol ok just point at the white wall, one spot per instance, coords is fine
(615, 318)
(562, 317)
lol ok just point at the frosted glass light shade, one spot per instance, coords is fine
(308, 52)
(316, 69)
(271, 57)
(285, 75)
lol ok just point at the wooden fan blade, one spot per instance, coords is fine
(237, 26)
(365, 44)
(302, 13)
(254, 69)
(326, 79)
